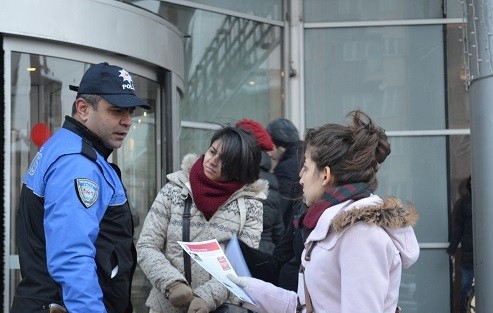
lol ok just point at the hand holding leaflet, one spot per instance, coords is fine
(211, 257)
(240, 281)
(268, 298)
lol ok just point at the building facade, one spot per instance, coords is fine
(204, 62)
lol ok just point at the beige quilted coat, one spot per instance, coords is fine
(160, 256)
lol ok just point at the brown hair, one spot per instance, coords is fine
(352, 152)
(240, 155)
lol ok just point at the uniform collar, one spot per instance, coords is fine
(77, 127)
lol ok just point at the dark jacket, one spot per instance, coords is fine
(273, 229)
(282, 267)
(287, 173)
(74, 228)
(462, 231)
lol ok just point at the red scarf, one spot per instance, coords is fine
(209, 195)
(333, 196)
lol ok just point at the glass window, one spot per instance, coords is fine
(460, 162)
(233, 72)
(425, 285)
(271, 9)
(194, 140)
(370, 10)
(396, 74)
(40, 99)
(416, 171)
(263, 8)
(455, 8)
(457, 100)
(233, 69)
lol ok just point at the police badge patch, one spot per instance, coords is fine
(87, 190)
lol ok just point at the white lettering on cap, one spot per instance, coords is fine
(126, 78)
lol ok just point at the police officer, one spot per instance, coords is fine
(74, 225)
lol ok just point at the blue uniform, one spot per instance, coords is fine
(74, 228)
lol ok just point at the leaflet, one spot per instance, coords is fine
(212, 258)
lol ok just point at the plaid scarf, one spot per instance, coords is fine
(331, 197)
(209, 195)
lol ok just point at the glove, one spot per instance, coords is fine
(198, 306)
(240, 281)
(264, 295)
(179, 294)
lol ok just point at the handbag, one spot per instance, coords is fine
(225, 307)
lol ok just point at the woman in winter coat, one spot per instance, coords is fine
(227, 200)
(356, 242)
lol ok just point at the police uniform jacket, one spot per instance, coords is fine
(74, 228)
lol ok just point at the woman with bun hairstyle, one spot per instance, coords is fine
(356, 243)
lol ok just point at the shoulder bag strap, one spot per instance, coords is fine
(186, 238)
(308, 299)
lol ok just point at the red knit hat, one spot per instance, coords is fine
(258, 131)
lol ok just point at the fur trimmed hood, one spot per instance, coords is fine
(257, 189)
(391, 214)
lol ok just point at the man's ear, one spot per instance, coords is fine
(82, 108)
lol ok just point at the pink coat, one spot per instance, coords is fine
(356, 263)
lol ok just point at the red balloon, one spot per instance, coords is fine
(40, 133)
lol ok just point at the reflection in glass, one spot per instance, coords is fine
(459, 162)
(271, 9)
(370, 10)
(233, 72)
(424, 286)
(195, 140)
(455, 9)
(40, 96)
(263, 8)
(457, 99)
(416, 170)
(233, 69)
(396, 74)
